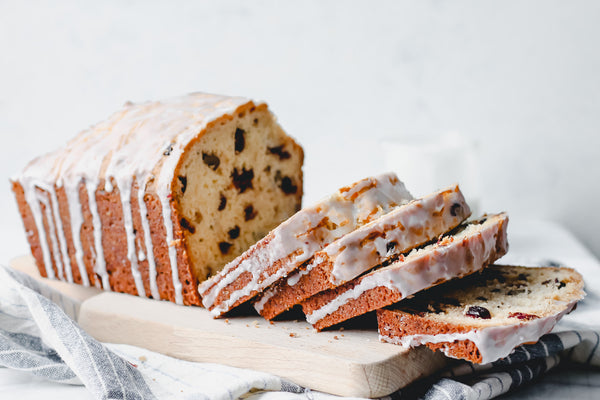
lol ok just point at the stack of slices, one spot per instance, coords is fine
(371, 246)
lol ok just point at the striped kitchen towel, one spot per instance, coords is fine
(38, 334)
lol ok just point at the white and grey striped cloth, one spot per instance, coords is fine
(38, 335)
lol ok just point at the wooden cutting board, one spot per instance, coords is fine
(351, 362)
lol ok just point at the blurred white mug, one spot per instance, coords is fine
(428, 163)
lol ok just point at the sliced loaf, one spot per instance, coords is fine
(381, 240)
(294, 241)
(484, 316)
(470, 247)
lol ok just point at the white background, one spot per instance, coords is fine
(522, 79)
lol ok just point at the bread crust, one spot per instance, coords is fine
(396, 323)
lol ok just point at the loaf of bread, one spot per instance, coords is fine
(294, 242)
(470, 247)
(160, 195)
(375, 243)
(484, 316)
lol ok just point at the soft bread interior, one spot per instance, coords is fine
(498, 295)
(236, 183)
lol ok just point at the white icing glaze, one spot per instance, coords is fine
(423, 267)
(409, 225)
(421, 219)
(301, 234)
(130, 143)
(493, 342)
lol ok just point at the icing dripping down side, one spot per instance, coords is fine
(130, 143)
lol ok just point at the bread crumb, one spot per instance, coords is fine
(226, 320)
(255, 323)
(248, 326)
(142, 358)
(292, 334)
(271, 322)
(336, 338)
(174, 242)
(342, 329)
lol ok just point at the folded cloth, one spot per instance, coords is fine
(38, 334)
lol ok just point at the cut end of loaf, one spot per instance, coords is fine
(236, 183)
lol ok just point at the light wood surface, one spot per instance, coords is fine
(351, 362)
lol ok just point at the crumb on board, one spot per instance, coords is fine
(142, 358)
(292, 334)
(336, 338)
(226, 320)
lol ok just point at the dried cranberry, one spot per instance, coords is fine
(455, 209)
(211, 161)
(249, 213)
(185, 224)
(478, 312)
(278, 151)
(287, 186)
(222, 202)
(240, 140)
(390, 246)
(224, 247)
(234, 232)
(242, 180)
(520, 315)
(183, 181)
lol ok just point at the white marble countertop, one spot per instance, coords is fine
(531, 243)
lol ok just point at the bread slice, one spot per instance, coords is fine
(294, 241)
(483, 317)
(470, 247)
(160, 195)
(381, 240)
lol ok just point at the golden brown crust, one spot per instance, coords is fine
(396, 324)
(369, 300)
(286, 296)
(63, 209)
(114, 237)
(30, 228)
